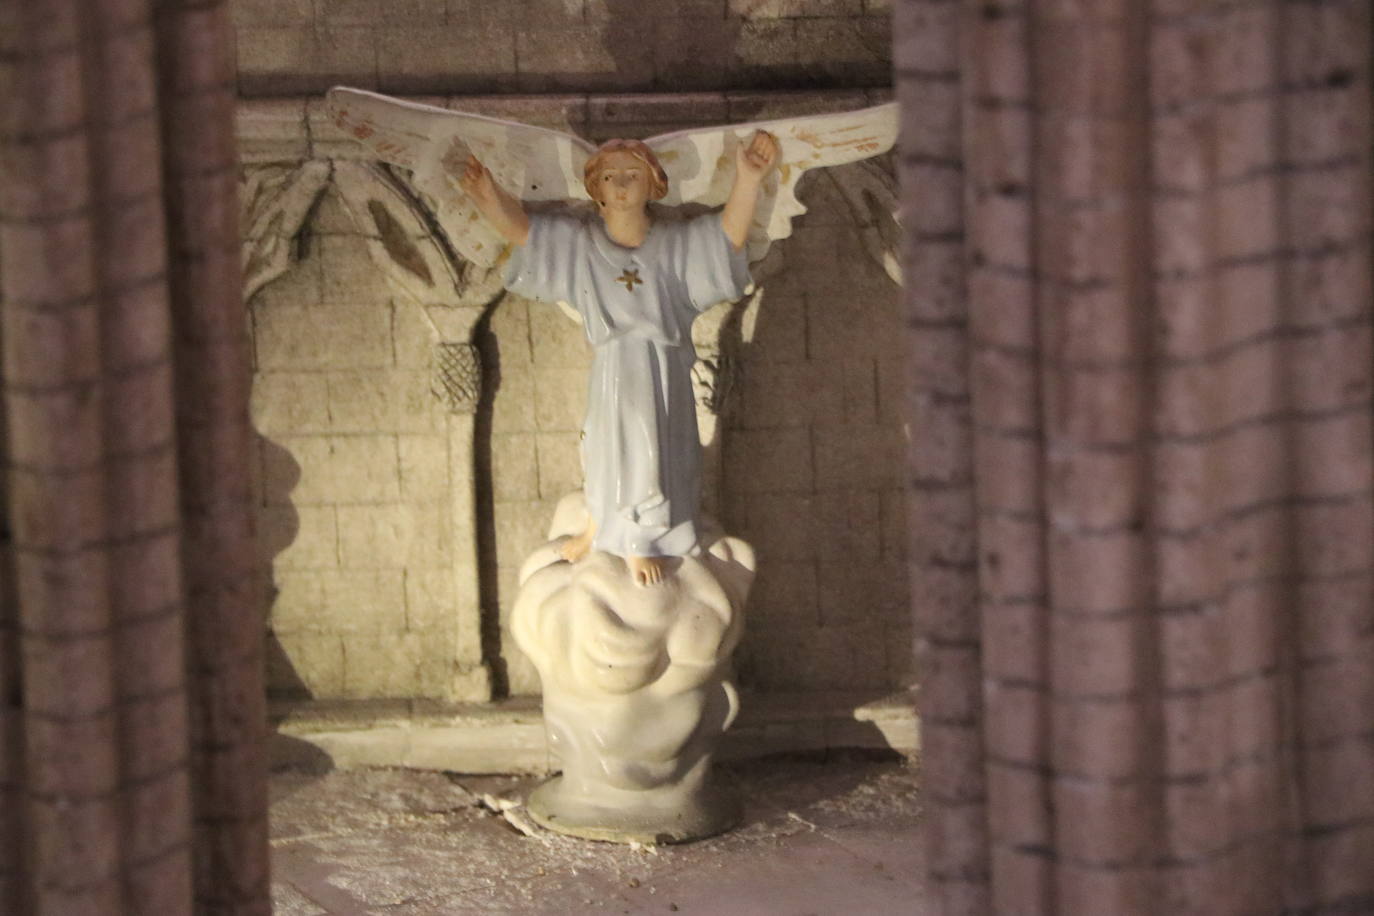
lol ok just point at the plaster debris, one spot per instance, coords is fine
(520, 819)
(423, 844)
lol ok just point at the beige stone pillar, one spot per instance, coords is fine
(458, 384)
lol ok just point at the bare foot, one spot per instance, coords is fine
(647, 570)
(576, 548)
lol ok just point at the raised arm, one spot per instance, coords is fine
(753, 160)
(503, 211)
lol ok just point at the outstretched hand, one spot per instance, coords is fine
(504, 212)
(755, 158)
(473, 177)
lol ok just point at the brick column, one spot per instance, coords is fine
(1164, 699)
(132, 778)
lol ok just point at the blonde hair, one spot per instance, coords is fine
(658, 178)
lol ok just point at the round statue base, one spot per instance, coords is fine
(705, 814)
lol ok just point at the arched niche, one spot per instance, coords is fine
(365, 390)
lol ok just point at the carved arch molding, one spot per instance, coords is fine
(291, 156)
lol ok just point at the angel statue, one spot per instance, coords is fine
(636, 275)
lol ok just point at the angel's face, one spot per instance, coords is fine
(623, 182)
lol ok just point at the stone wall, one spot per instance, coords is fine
(354, 515)
(813, 451)
(288, 47)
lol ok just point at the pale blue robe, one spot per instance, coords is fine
(641, 453)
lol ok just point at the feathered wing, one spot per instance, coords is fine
(532, 163)
(701, 162)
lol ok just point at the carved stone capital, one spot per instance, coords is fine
(457, 376)
(274, 201)
(870, 189)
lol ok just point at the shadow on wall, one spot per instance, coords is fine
(813, 449)
(488, 576)
(275, 491)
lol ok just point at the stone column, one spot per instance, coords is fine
(458, 385)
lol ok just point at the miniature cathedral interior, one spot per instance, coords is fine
(418, 425)
(1038, 454)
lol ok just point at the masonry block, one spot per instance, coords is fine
(351, 276)
(367, 12)
(310, 662)
(414, 336)
(270, 131)
(1246, 218)
(844, 326)
(781, 526)
(942, 527)
(847, 51)
(509, 334)
(864, 455)
(298, 602)
(784, 593)
(394, 665)
(894, 523)
(306, 537)
(299, 285)
(383, 400)
(396, 535)
(513, 402)
(560, 464)
(1243, 385)
(793, 9)
(847, 525)
(765, 51)
(610, 56)
(856, 589)
(520, 527)
(921, 32)
(560, 399)
(330, 216)
(479, 58)
(768, 461)
(425, 466)
(430, 599)
(779, 331)
(786, 394)
(294, 337)
(693, 52)
(471, 13)
(290, 402)
(1333, 538)
(364, 601)
(312, 470)
(900, 646)
(305, 59)
(860, 389)
(514, 468)
(556, 341)
(259, 13)
(893, 401)
(671, 111)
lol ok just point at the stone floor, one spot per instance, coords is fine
(821, 836)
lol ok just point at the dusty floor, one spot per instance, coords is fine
(821, 836)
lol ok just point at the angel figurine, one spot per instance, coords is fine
(635, 275)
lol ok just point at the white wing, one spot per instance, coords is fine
(701, 162)
(532, 163)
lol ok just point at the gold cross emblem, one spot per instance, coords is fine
(629, 278)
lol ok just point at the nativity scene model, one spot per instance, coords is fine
(632, 610)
